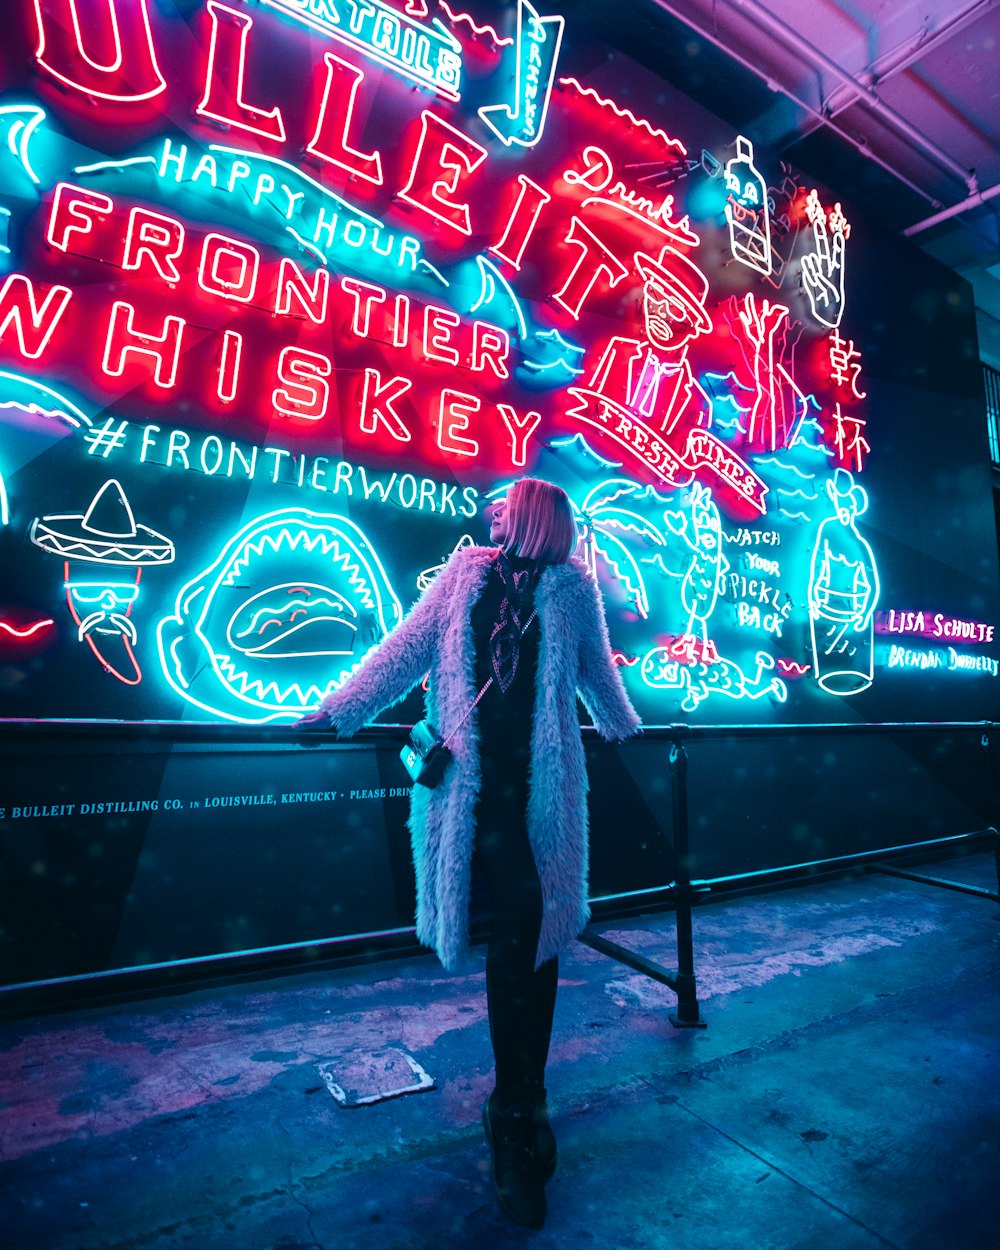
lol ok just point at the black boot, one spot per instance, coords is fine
(545, 1139)
(517, 1182)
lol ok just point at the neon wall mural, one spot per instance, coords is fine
(291, 289)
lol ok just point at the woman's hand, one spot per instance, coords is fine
(314, 721)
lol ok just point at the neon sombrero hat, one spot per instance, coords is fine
(107, 533)
(683, 279)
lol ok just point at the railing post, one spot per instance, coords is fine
(687, 1015)
(986, 742)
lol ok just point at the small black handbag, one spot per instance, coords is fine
(426, 754)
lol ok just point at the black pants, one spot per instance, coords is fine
(521, 1000)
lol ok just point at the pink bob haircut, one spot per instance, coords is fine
(540, 523)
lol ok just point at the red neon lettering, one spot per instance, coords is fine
(364, 295)
(377, 401)
(594, 259)
(520, 430)
(454, 416)
(124, 68)
(228, 267)
(33, 323)
(335, 116)
(490, 346)
(223, 99)
(312, 299)
(124, 339)
(305, 392)
(156, 237)
(229, 366)
(531, 200)
(443, 156)
(74, 211)
(401, 321)
(439, 326)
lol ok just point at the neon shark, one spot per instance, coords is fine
(287, 609)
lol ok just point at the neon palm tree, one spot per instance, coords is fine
(610, 529)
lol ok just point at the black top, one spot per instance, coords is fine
(505, 718)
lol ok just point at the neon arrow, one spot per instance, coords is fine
(536, 52)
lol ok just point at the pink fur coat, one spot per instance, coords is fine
(574, 656)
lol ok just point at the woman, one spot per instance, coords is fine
(526, 618)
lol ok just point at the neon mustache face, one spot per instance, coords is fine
(99, 606)
(107, 623)
(287, 609)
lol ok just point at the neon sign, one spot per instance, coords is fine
(951, 661)
(849, 439)
(316, 265)
(695, 683)
(706, 566)
(536, 55)
(843, 592)
(643, 393)
(21, 123)
(223, 100)
(123, 64)
(610, 528)
(105, 534)
(428, 55)
(747, 212)
(933, 625)
(777, 407)
(823, 269)
(23, 633)
(845, 363)
(248, 609)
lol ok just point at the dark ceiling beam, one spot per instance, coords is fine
(906, 54)
(828, 123)
(966, 205)
(867, 94)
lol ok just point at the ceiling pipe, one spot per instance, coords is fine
(776, 87)
(973, 201)
(819, 60)
(906, 54)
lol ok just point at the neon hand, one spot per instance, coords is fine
(823, 268)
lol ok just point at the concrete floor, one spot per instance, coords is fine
(845, 1096)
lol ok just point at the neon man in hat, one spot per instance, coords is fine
(107, 534)
(654, 378)
(644, 394)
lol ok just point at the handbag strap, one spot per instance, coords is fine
(478, 698)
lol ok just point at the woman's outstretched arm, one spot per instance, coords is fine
(600, 682)
(392, 667)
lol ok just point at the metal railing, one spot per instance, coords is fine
(682, 894)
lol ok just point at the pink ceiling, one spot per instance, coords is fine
(912, 84)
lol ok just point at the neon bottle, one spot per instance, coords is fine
(747, 211)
